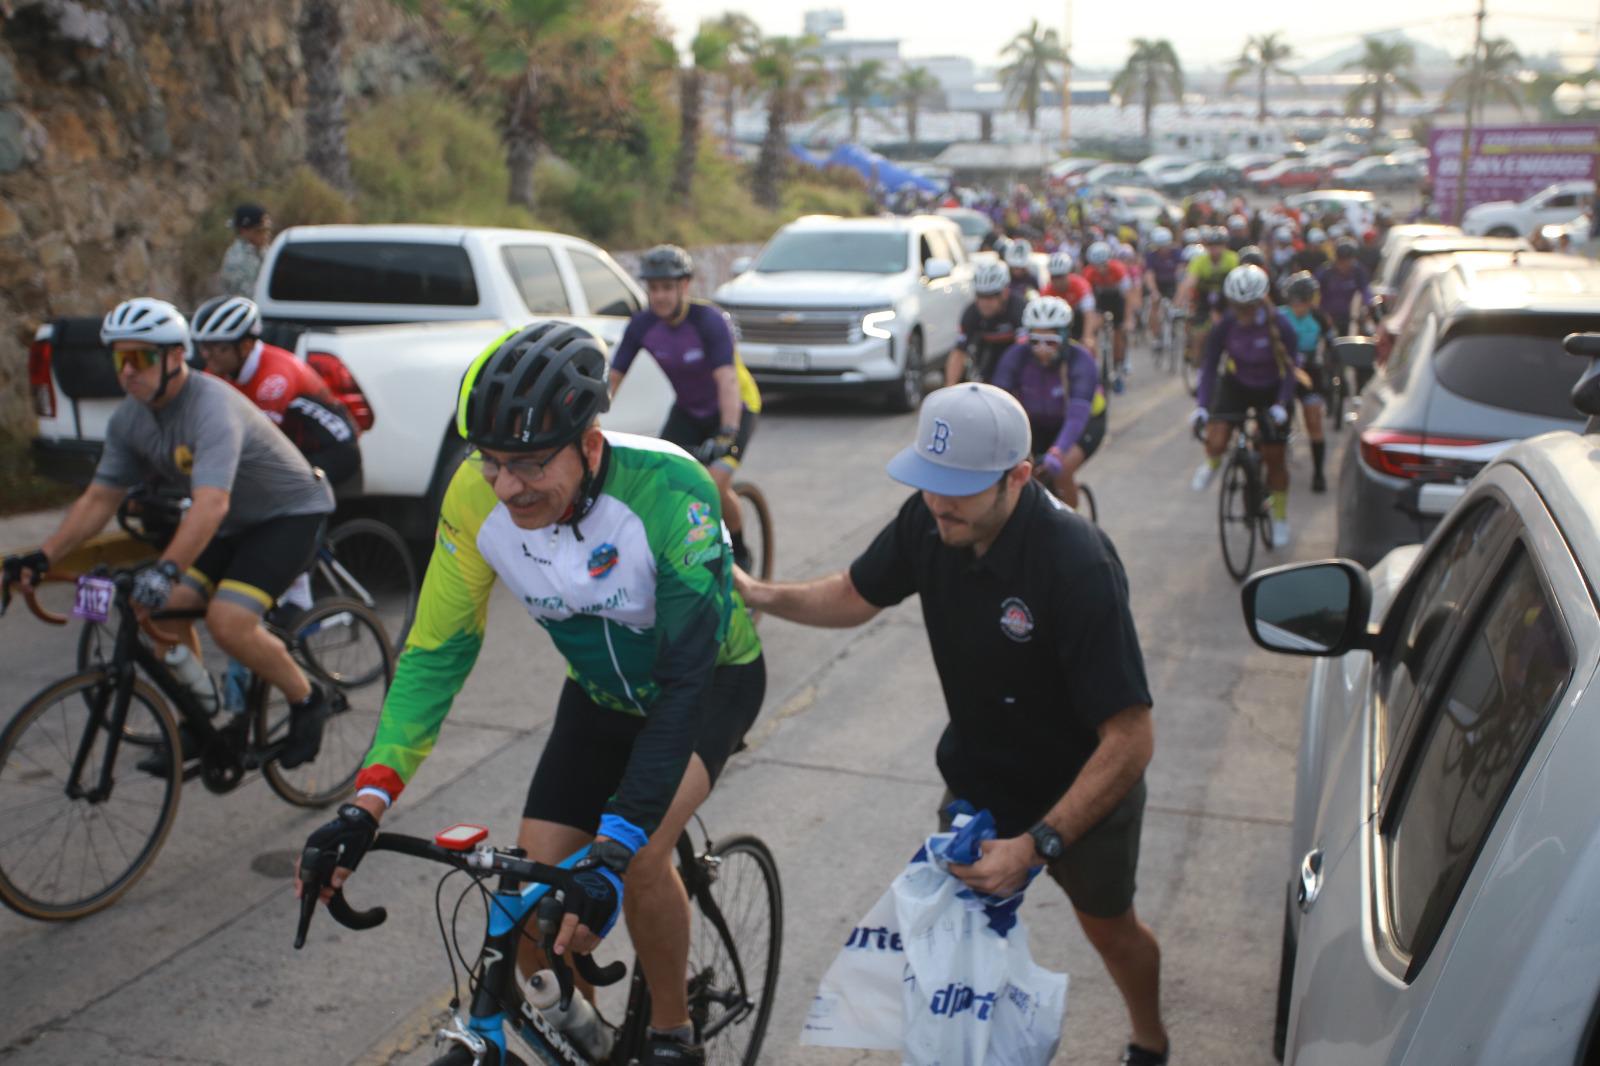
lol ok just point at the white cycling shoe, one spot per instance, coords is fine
(1204, 476)
(1280, 532)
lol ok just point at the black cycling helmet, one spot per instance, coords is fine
(1252, 254)
(1346, 248)
(549, 371)
(665, 261)
(1301, 286)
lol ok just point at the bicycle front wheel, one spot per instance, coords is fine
(734, 950)
(1086, 504)
(759, 534)
(372, 566)
(342, 647)
(1238, 516)
(69, 847)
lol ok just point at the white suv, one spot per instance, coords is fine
(859, 304)
(1554, 204)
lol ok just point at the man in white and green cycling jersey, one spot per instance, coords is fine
(615, 545)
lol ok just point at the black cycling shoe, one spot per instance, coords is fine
(159, 761)
(664, 1049)
(1318, 482)
(305, 730)
(1138, 1056)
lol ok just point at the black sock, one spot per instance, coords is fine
(1318, 450)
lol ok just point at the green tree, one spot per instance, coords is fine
(858, 85)
(912, 89)
(1031, 53)
(737, 78)
(708, 53)
(1385, 68)
(786, 71)
(1152, 71)
(1263, 56)
(1494, 77)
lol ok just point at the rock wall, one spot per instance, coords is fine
(121, 121)
(713, 264)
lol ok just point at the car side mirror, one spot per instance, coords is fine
(741, 264)
(1309, 608)
(1358, 353)
(936, 268)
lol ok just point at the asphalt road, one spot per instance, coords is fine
(195, 964)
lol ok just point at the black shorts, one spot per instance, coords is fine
(255, 566)
(1316, 391)
(1233, 401)
(1114, 301)
(589, 745)
(1099, 870)
(1045, 434)
(688, 432)
(1167, 289)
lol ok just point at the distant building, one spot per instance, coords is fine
(953, 73)
(837, 51)
(823, 22)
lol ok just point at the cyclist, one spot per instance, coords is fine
(1342, 282)
(1238, 231)
(1070, 286)
(1312, 328)
(1162, 263)
(988, 325)
(717, 403)
(1248, 365)
(1058, 384)
(257, 514)
(1254, 256)
(615, 543)
(1109, 279)
(1201, 287)
(1018, 257)
(1314, 256)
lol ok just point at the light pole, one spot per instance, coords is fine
(1474, 75)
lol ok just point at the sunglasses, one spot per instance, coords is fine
(1045, 340)
(526, 470)
(138, 358)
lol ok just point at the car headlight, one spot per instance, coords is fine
(873, 322)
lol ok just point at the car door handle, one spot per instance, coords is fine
(1310, 879)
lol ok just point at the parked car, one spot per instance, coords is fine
(1072, 167)
(1197, 177)
(1155, 164)
(1414, 153)
(1394, 268)
(1396, 308)
(390, 315)
(1561, 202)
(1440, 883)
(1479, 367)
(975, 225)
(852, 304)
(1115, 174)
(1288, 174)
(1355, 206)
(1379, 172)
(1133, 205)
(1246, 162)
(1406, 232)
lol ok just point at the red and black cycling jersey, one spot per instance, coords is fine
(295, 397)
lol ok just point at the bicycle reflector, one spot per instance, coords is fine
(460, 837)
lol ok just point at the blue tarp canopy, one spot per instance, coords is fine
(808, 158)
(870, 165)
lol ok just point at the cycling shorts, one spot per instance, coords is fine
(1168, 289)
(1045, 434)
(1113, 301)
(1315, 393)
(255, 566)
(589, 745)
(689, 431)
(1233, 401)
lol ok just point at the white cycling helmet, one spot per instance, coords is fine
(1098, 252)
(225, 319)
(1060, 264)
(1019, 253)
(145, 319)
(1192, 250)
(990, 277)
(1283, 235)
(1238, 222)
(1191, 236)
(1047, 314)
(1315, 235)
(1161, 236)
(1245, 284)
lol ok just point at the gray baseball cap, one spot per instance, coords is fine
(967, 436)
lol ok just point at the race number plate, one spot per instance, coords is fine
(791, 359)
(94, 599)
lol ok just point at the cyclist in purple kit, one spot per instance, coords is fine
(1162, 264)
(1342, 281)
(693, 342)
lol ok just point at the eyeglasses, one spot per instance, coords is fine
(138, 358)
(1045, 340)
(525, 470)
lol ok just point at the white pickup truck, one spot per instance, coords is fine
(390, 315)
(1553, 205)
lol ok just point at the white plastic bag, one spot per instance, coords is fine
(858, 1002)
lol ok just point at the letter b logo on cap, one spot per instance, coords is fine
(939, 443)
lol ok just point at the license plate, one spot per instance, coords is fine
(791, 359)
(93, 603)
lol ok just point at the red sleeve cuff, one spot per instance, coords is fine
(381, 777)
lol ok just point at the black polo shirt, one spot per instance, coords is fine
(1034, 643)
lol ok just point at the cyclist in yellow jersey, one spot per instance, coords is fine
(1200, 292)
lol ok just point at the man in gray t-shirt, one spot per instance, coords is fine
(256, 515)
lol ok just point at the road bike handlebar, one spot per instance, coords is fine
(314, 872)
(30, 596)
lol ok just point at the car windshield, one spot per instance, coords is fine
(972, 225)
(1516, 363)
(834, 250)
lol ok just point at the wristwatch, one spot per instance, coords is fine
(1047, 842)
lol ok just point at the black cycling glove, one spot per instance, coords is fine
(341, 842)
(595, 891)
(34, 563)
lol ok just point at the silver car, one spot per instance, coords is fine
(1443, 886)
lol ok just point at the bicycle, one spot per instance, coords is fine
(1243, 514)
(108, 734)
(1173, 343)
(732, 976)
(757, 521)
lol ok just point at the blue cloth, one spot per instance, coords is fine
(623, 832)
(875, 168)
(964, 847)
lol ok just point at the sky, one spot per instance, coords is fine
(980, 28)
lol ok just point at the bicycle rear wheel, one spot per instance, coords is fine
(1238, 515)
(734, 950)
(372, 566)
(341, 646)
(64, 856)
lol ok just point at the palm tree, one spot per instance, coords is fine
(1152, 71)
(1032, 53)
(737, 78)
(1385, 69)
(1263, 56)
(914, 88)
(786, 69)
(708, 52)
(859, 83)
(321, 34)
(1493, 76)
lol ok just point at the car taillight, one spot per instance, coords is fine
(1425, 458)
(39, 383)
(343, 383)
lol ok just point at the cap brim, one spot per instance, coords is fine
(910, 468)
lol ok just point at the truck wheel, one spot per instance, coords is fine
(907, 392)
(1504, 231)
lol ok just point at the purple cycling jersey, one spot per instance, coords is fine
(1040, 390)
(1339, 289)
(687, 352)
(1252, 359)
(1164, 263)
